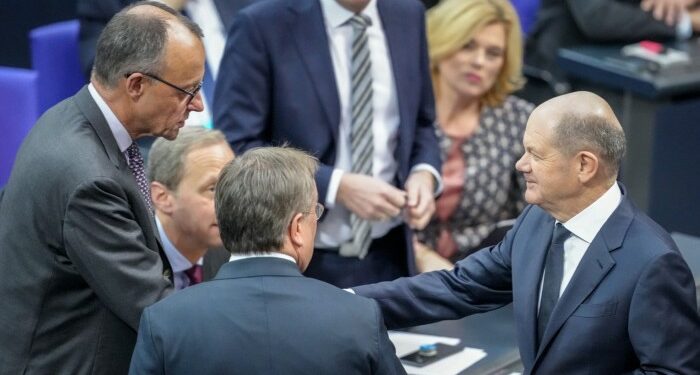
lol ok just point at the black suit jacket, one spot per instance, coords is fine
(94, 15)
(565, 23)
(79, 253)
(261, 316)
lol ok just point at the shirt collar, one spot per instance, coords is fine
(118, 130)
(236, 257)
(178, 262)
(587, 223)
(336, 16)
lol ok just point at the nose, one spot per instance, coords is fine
(522, 164)
(479, 58)
(197, 103)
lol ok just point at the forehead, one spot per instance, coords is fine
(539, 129)
(206, 158)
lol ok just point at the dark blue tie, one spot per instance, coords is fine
(553, 274)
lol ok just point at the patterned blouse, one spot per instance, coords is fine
(481, 185)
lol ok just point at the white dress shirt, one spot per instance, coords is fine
(584, 227)
(235, 257)
(178, 262)
(335, 228)
(121, 135)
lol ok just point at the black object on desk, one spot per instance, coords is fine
(494, 332)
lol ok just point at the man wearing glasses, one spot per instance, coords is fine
(260, 315)
(80, 257)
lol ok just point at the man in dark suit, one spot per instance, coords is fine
(79, 256)
(566, 23)
(260, 315)
(289, 75)
(183, 173)
(597, 287)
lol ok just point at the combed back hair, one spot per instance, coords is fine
(597, 134)
(452, 24)
(135, 42)
(166, 159)
(259, 193)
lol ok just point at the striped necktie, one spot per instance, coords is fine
(361, 139)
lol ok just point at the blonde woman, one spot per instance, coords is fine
(475, 52)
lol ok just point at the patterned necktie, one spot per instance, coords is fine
(361, 139)
(553, 274)
(136, 166)
(194, 273)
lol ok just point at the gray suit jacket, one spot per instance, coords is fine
(261, 316)
(79, 255)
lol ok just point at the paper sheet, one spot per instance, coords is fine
(405, 343)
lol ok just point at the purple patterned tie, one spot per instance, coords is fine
(194, 273)
(136, 166)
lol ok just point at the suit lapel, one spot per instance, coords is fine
(527, 284)
(96, 119)
(594, 266)
(309, 31)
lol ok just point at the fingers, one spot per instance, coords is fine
(420, 214)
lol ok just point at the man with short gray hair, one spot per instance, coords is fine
(80, 257)
(597, 286)
(183, 173)
(260, 315)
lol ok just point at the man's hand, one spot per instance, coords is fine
(428, 260)
(421, 203)
(668, 11)
(370, 198)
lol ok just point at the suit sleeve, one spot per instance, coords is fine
(148, 356)
(386, 360)
(425, 145)
(107, 247)
(664, 325)
(480, 282)
(616, 21)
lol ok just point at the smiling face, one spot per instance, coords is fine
(192, 214)
(472, 71)
(551, 176)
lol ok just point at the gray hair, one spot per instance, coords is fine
(166, 159)
(135, 42)
(259, 193)
(598, 134)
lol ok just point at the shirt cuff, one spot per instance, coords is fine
(434, 172)
(684, 28)
(333, 186)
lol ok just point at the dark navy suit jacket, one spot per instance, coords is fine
(629, 308)
(276, 83)
(261, 316)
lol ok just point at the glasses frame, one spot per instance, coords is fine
(191, 94)
(318, 210)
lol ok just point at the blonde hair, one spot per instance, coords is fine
(453, 23)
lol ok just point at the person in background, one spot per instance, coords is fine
(80, 256)
(260, 315)
(183, 173)
(290, 75)
(597, 286)
(475, 52)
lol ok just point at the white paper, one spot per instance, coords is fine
(406, 343)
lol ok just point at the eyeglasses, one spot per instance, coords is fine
(318, 210)
(190, 94)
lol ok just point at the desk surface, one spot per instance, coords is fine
(493, 332)
(605, 64)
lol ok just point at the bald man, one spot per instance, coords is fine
(597, 287)
(80, 256)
